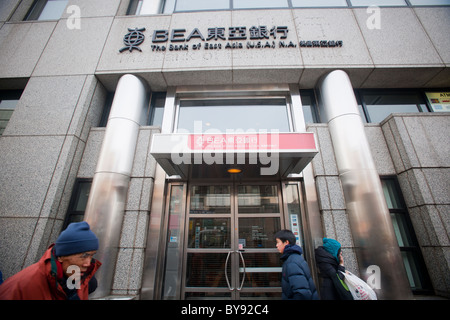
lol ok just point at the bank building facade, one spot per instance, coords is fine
(187, 133)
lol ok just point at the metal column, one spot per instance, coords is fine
(369, 218)
(106, 204)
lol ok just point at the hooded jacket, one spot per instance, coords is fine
(332, 286)
(296, 280)
(44, 281)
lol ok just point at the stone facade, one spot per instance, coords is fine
(53, 137)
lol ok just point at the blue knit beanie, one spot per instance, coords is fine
(77, 238)
(332, 246)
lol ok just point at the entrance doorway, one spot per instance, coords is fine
(220, 241)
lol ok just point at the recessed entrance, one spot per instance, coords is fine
(220, 241)
(218, 223)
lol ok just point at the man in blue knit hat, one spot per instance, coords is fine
(65, 271)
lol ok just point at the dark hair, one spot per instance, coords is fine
(284, 235)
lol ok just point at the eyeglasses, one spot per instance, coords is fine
(86, 255)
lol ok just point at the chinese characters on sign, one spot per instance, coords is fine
(237, 37)
(234, 33)
(252, 141)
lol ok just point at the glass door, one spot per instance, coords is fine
(229, 246)
(209, 243)
(258, 217)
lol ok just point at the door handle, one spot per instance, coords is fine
(226, 276)
(243, 264)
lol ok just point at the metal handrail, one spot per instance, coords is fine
(243, 264)
(226, 276)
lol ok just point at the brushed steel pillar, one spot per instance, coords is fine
(106, 204)
(369, 218)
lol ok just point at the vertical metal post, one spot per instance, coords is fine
(369, 218)
(152, 251)
(106, 204)
(314, 234)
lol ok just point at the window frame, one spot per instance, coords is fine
(311, 93)
(426, 5)
(232, 98)
(10, 95)
(77, 188)
(318, 6)
(132, 8)
(36, 10)
(351, 5)
(155, 104)
(169, 6)
(106, 109)
(359, 93)
(108, 101)
(413, 247)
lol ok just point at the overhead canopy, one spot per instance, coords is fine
(252, 154)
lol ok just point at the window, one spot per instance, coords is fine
(155, 116)
(404, 232)
(169, 6)
(157, 108)
(8, 102)
(140, 7)
(134, 7)
(430, 2)
(378, 105)
(143, 7)
(106, 109)
(78, 202)
(309, 106)
(360, 108)
(47, 10)
(375, 105)
(384, 3)
(196, 5)
(235, 114)
(318, 3)
(245, 4)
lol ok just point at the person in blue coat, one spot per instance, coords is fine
(296, 280)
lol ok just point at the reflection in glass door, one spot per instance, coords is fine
(230, 250)
(259, 217)
(219, 241)
(208, 242)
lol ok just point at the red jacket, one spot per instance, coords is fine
(38, 282)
